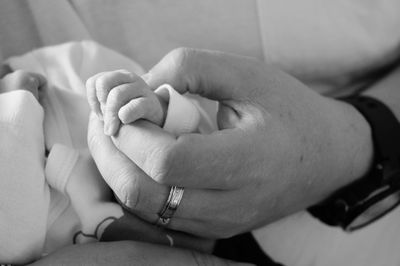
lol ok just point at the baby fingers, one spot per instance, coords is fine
(148, 108)
(117, 98)
(92, 96)
(99, 86)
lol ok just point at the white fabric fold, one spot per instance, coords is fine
(182, 115)
(60, 163)
(24, 193)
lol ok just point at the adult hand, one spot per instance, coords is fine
(122, 174)
(280, 147)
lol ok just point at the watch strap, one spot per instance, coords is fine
(345, 205)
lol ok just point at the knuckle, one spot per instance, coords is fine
(94, 142)
(126, 72)
(126, 188)
(181, 56)
(101, 85)
(183, 65)
(149, 106)
(170, 160)
(113, 99)
(129, 110)
(159, 165)
(137, 106)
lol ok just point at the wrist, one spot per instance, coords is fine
(377, 192)
(359, 144)
(352, 148)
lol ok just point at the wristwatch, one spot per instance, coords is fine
(378, 192)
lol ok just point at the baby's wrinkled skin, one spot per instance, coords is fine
(123, 97)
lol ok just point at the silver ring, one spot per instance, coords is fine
(170, 206)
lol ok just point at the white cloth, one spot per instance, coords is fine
(24, 196)
(47, 205)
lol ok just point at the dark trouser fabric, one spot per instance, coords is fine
(243, 248)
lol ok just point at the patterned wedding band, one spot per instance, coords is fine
(170, 206)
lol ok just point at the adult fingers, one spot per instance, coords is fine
(142, 141)
(191, 160)
(198, 213)
(211, 74)
(141, 195)
(134, 228)
(131, 185)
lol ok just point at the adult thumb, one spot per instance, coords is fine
(211, 74)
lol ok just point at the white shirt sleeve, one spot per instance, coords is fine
(186, 114)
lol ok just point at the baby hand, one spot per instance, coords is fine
(121, 96)
(22, 80)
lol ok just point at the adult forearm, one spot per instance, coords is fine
(129, 253)
(354, 143)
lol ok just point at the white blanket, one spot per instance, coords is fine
(38, 214)
(46, 204)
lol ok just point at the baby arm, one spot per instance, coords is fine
(120, 96)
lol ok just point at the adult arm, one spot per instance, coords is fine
(128, 253)
(281, 147)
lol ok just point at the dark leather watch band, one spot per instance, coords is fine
(383, 179)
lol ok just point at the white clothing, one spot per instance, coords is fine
(47, 204)
(22, 162)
